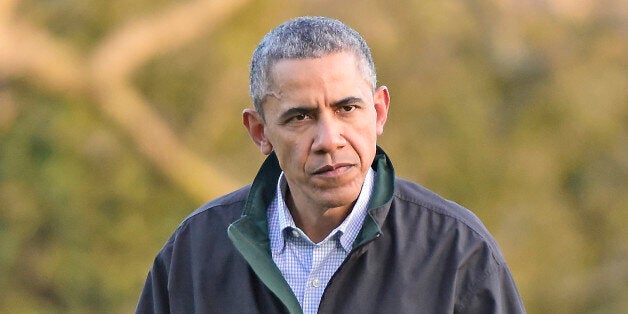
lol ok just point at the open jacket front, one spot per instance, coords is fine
(416, 253)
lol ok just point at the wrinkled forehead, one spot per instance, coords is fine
(360, 64)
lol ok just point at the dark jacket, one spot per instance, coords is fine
(416, 253)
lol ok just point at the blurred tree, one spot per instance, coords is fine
(118, 118)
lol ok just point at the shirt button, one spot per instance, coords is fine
(295, 233)
(316, 283)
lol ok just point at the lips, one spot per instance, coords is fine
(332, 169)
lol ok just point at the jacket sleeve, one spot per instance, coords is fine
(494, 292)
(155, 296)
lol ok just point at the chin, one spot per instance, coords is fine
(338, 198)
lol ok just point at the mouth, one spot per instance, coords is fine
(333, 170)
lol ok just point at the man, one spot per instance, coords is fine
(325, 226)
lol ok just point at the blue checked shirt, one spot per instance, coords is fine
(308, 266)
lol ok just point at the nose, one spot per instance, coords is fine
(328, 136)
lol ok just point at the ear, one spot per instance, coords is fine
(381, 98)
(254, 123)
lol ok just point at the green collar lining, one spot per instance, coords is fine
(249, 234)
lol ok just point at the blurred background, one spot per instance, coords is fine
(118, 118)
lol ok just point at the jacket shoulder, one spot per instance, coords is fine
(237, 196)
(226, 209)
(424, 201)
(208, 221)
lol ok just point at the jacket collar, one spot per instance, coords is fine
(265, 184)
(249, 234)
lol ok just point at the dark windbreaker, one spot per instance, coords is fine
(416, 253)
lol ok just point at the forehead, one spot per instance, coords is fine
(330, 72)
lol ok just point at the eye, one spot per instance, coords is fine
(347, 108)
(298, 117)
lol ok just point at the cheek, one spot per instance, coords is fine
(363, 141)
(365, 130)
(292, 154)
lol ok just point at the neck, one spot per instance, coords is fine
(317, 223)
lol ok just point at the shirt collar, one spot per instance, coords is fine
(280, 219)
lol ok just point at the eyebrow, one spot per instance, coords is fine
(309, 109)
(346, 101)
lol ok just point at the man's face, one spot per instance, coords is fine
(322, 120)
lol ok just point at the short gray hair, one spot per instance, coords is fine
(306, 37)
